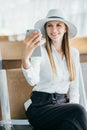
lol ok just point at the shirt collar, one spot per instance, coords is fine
(55, 52)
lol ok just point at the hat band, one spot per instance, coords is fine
(55, 17)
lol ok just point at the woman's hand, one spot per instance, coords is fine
(29, 45)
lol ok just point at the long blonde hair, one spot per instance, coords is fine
(67, 53)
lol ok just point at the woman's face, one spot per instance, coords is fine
(55, 30)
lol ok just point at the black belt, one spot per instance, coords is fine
(42, 98)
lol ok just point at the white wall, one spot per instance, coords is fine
(18, 15)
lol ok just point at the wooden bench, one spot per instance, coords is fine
(18, 91)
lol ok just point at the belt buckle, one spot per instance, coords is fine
(54, 100)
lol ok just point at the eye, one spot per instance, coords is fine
(59, 25)
(49, 25)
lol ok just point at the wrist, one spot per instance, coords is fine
(26, 64)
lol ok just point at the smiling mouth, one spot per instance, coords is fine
(54, 35)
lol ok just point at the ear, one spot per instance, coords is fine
(66, 29)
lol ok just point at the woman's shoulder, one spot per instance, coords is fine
(75, 54)
(74, 51)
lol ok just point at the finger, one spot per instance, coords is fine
(36, 44)
(38, 39)
(32, 37)
(35, 41)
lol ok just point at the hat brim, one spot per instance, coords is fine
(72, 30)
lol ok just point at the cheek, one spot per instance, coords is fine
(63, 30)
(48, 32)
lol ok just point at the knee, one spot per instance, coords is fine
(79, 109)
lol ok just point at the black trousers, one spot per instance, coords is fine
(53, 112)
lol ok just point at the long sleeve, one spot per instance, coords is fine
(83, 98)
(77, 89)
(74, 85)
(32, 74)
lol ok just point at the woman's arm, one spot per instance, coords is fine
(74, 85)
(31, 66)
(29, 45)
(32, 74)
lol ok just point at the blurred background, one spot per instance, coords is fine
(18, 15)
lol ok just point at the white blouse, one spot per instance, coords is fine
(40, 74)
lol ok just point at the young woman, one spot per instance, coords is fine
(54, 75)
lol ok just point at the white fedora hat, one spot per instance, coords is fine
(56, 14)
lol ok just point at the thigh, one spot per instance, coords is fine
(50, 116)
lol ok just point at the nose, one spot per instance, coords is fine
(54, 29)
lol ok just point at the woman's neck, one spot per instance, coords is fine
(58, 45)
